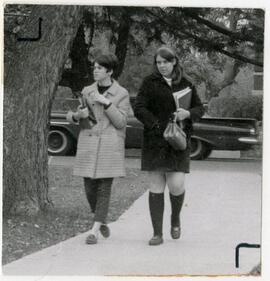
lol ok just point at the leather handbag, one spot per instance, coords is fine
(175, 135)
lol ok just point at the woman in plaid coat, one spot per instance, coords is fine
(101, 146)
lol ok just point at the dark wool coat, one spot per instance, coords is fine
(155, 103)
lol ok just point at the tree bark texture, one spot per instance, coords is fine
(32, 72)
(232, 66)
(122, 42)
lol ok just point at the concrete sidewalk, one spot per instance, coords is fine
(221, 210)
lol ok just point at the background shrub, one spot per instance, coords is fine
(236, 106)
(64, 100)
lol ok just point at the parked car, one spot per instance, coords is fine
(208, 134)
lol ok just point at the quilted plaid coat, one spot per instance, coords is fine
(101, 148)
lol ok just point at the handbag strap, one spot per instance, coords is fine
(181, 124)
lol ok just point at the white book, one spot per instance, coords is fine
(183, 98)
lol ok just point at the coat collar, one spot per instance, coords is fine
(184, 79)
(114, 88)
(159, 77)
(94, 87)
(156, 75)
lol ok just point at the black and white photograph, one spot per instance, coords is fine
(133, 140)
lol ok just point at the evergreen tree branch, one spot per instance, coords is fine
(234, 35)
(203, 42)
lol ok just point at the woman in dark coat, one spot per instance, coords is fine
(154, 107)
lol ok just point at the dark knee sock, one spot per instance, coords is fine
(91, 187)
(176, 204)
(156, 206)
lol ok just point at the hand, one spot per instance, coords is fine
(101, 99)
(182, 114)
(156, 130)
(81, 113)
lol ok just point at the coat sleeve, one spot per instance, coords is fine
(141, 106)
(196, 108)
(118, 114)
(70, 114)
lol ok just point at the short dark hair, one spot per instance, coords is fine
(108, 61)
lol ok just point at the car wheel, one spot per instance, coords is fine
(59, 142)
(199, 149)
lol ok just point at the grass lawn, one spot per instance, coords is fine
(70, 215)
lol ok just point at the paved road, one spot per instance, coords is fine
(221, 210)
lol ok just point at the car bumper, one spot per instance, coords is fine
(59, 123)
(248, 140)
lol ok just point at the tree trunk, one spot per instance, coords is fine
(122, 42)
(232, 66)
(231, 69)
(80, 74)
(32, 72)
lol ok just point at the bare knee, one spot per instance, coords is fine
(176, 183)
(156, 182)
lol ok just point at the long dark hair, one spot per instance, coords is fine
(169, 55)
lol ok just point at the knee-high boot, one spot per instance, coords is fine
(176, 205)
(156, 206)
